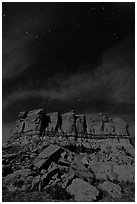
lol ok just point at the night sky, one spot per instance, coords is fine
(64, 56)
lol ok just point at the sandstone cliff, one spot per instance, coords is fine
(88, 158)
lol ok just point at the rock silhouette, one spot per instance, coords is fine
(83, 156)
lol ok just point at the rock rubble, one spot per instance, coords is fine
(88, 157)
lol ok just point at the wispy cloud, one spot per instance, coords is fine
(112, 81)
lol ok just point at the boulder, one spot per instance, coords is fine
(55, 122)
(51, 174)
(39, 163)
(85, 161)
(114, 190)
(79, 170)
(82, 191)
(102, 170)
(80, 124)
(68, 123)
(48, 155)
(49, 151)
(125, 173)
(17, 179)
(53, 169)
(68, 180)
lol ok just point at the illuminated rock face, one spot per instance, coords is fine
(38, 123)
(68, 123)
(87, 156)
(30, 123)
(80, 124)
(55, 122)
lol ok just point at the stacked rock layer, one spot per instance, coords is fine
(37, 122)
(89, 158)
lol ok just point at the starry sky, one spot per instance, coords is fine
(64, 56)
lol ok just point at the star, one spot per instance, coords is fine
(108, 19)
(4, 15)
(114, 34)
(36, 36)
(103, 8)
(92, 9)
(49, 30)
(26, 32)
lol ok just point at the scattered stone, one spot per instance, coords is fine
(44, 180)
(64, 162)
(84, 161)
(35, 182)
(9, 156)
(82, 191)
(43, 171)
(113, 189)
(45, 143)
(125, 173)
(86, 145)
(12, 188)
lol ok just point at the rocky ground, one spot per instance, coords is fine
(47, 170)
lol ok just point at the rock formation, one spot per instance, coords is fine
(84, 155)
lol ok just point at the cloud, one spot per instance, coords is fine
(112, 82)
